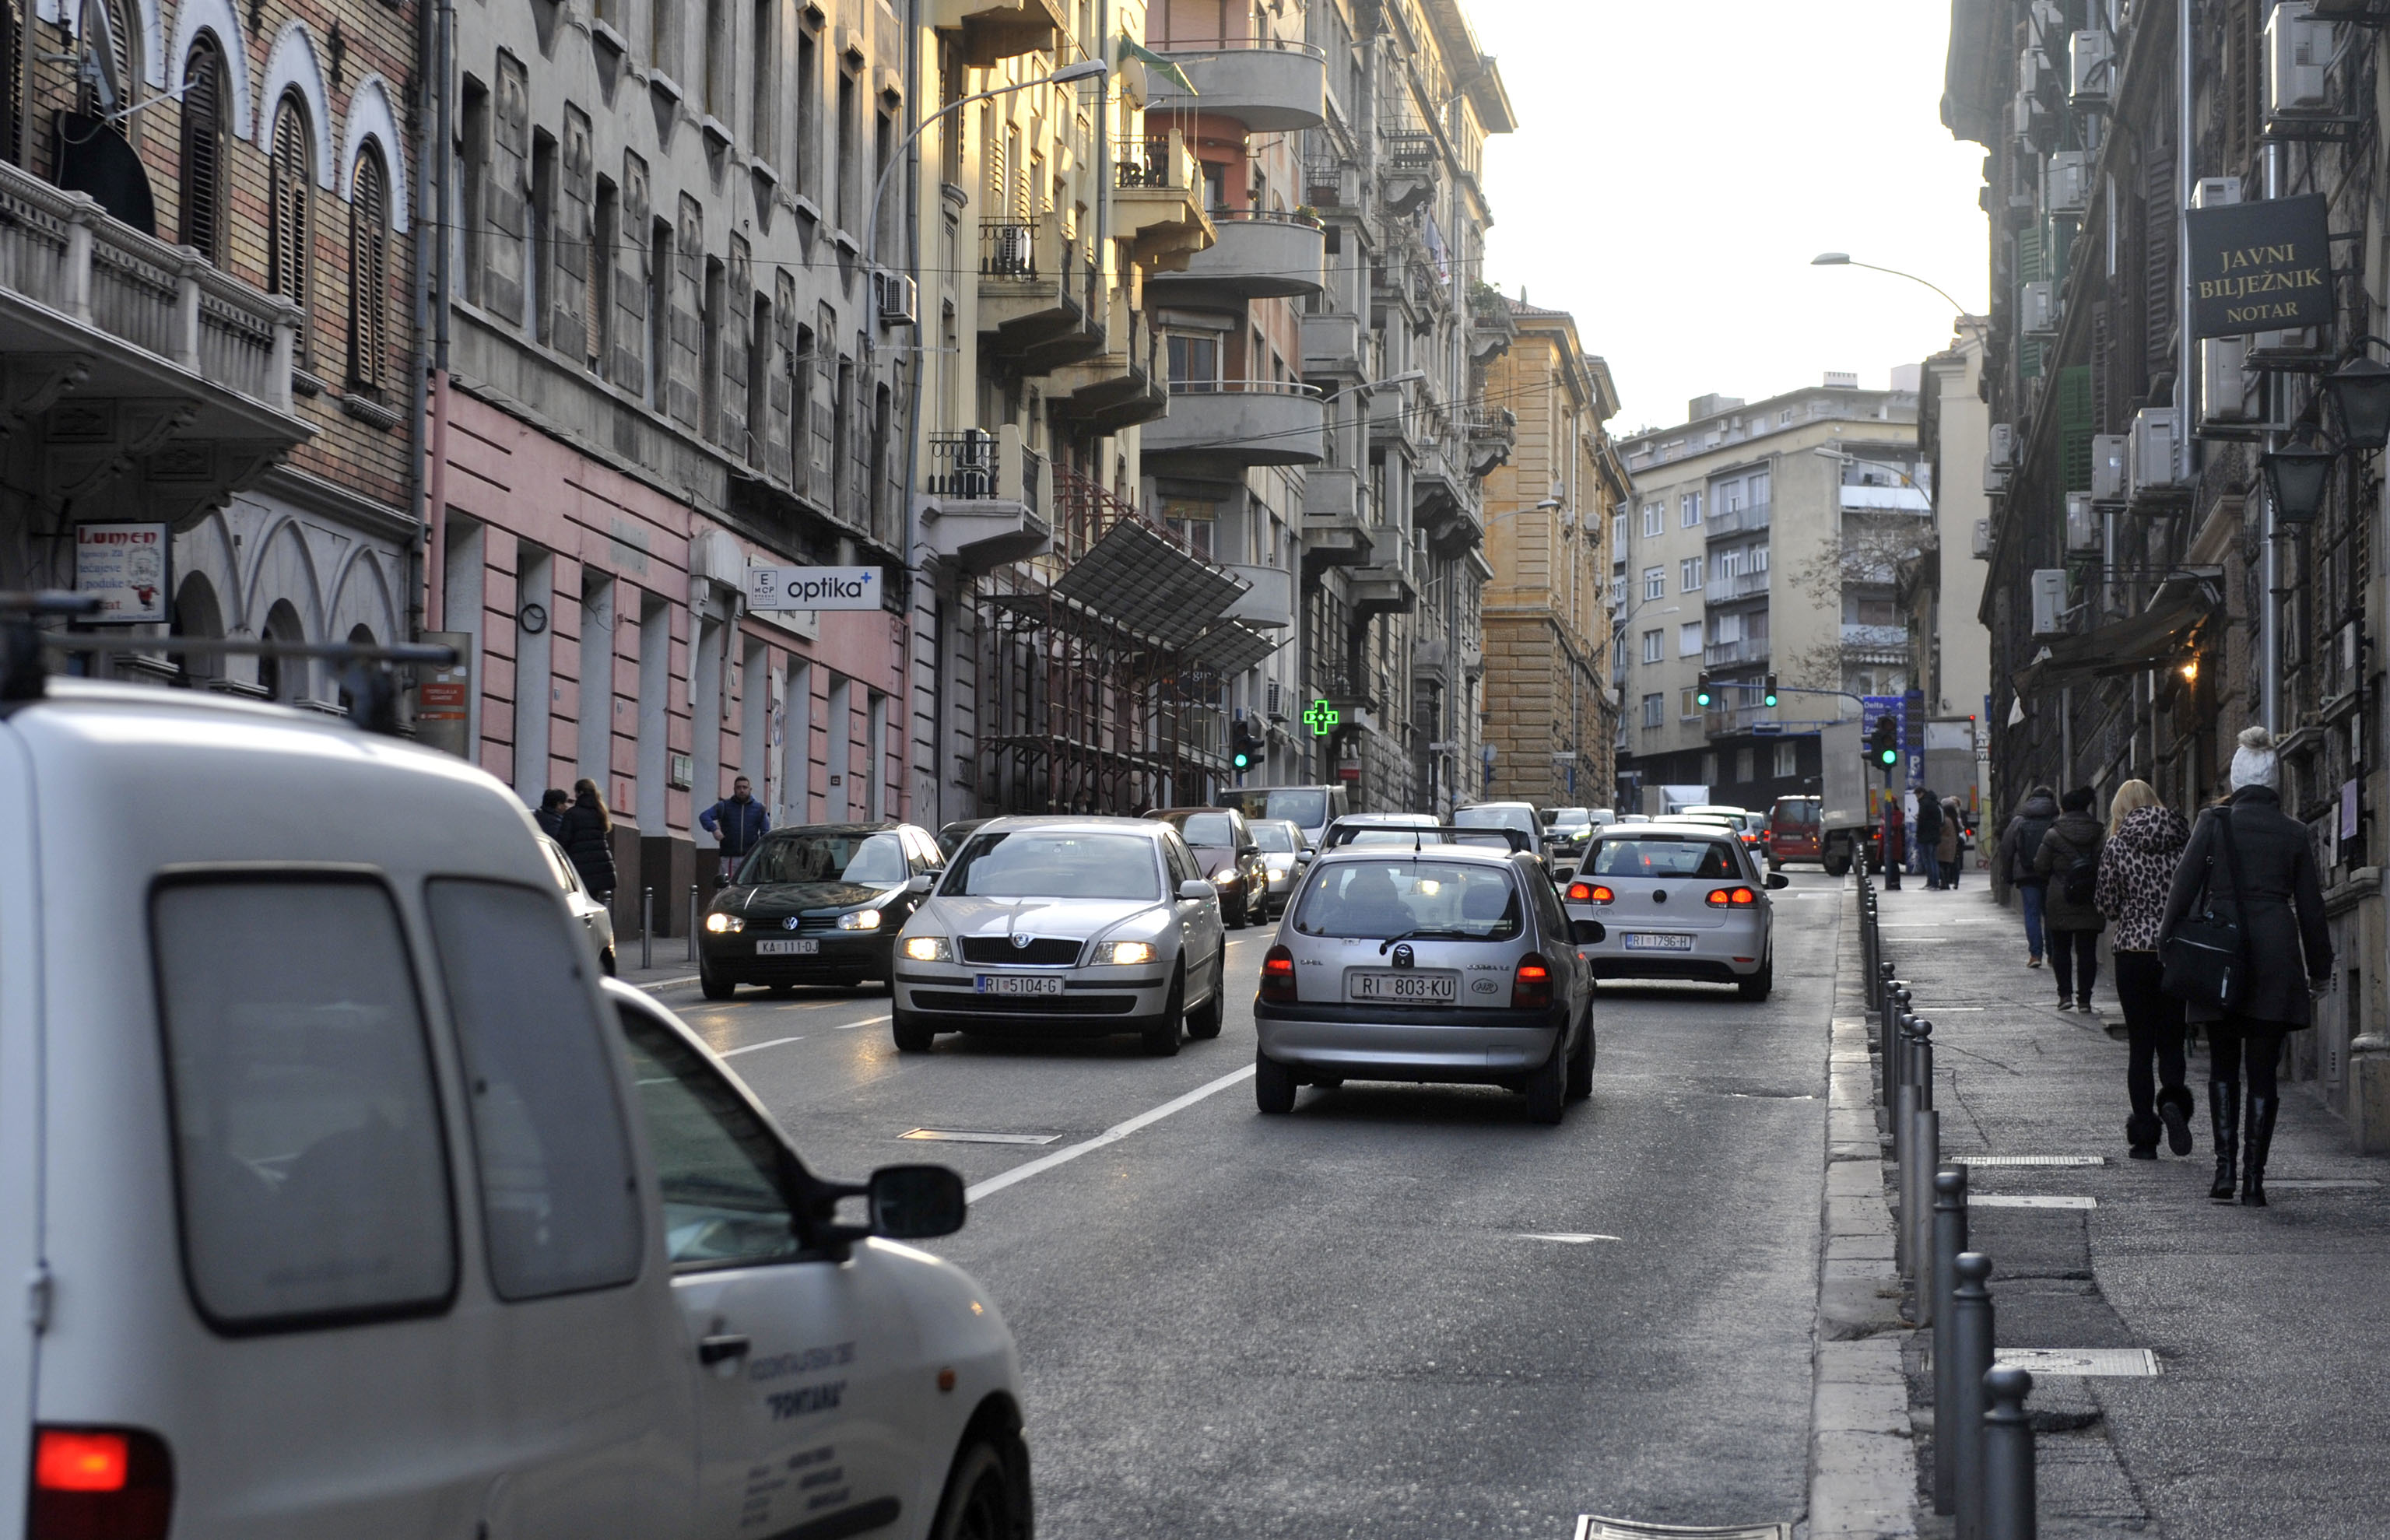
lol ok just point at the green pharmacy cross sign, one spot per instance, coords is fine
(1321, 719)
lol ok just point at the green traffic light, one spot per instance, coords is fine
(1768, 699)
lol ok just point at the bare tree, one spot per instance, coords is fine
(1868, 556)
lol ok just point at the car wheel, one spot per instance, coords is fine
(1160, 1036)
(1233, 920)
(911, 1035)
(1273, 1085)
(1774, 865)
(606, 961)
(715, 988)
(1759, 984)
(984, 1500)
(1203, 1021)
(1580, 1066)
(1547, 1087)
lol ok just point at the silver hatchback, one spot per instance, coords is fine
(1682, 900)
(1437, 963)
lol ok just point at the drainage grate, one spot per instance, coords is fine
(2322, 1184)
(944, 1136)
(2103, 1362)
(2012, 1201)
(1591, 1527)
(2028, 1160)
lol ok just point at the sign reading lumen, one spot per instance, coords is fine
(2264, 266)
(782, 588)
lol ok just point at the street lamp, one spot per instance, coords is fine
(2296, 476)
(2360, 389)
(1843, 259)
(1405, 377)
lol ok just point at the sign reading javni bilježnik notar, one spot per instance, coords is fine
(2264, 266)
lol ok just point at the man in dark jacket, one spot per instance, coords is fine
(2068, 861)
(1928, 832)
(738, 823)
(2015, 859)
(2278, 897)
(551, 815)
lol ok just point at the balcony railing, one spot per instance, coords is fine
(1184, 43)
(1148, 165)
(969, 466)
(1738, 585)
(1408, 149)
(1876, 638)
(1736, 521)
(1008, 249)
(1751, 649)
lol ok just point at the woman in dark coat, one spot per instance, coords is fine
(2281, 910)
(588, 840)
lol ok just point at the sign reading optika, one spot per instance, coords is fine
(782, 588)
(2264, 266)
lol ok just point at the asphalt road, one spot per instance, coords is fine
(1356, 1320)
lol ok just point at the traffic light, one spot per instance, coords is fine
(1704, 694)
(1768, 692)
(1883, 742)
(1245, 743)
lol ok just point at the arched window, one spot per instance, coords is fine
(289, 255)
(12, 96)
(368, 273)
(109, 26)
(203, 148)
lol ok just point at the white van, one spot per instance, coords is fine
(349, 1201)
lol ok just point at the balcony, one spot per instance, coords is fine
(1269, 600)
(1900, 499)
(1739, 585)
(1751, 649)
(1739, 719)
(1741, 521)
(1035, 297)
(1385, 585)
(1445, 504)
(1408, 163)
(1491, 328)
(1233, 425)
(1336, 346)
(1890, 640)
(1258, 256)
(1493, 433)
(1394, 423)
(145, 379)
(1270, 85)
(985, 500)
(1335, 519)
(1158, 199)
(1118, 388)
(998, 29)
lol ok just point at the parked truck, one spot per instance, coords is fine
(1847, 810)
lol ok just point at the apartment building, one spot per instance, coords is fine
(1942, 587)
(1764, 538)
(1550, 717)
(207, 262)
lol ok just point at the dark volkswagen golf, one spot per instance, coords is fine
(818, 905)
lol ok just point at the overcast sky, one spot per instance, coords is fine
(1676, 166)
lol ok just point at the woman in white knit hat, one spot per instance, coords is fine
(2278, 899)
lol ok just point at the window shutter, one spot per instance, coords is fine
(2157, 258)
(12, 100)
(288, 254)
(2074, 424)
(203, 150)
(368, 275)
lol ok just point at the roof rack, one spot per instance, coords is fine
(366, 670)
(1424, 835)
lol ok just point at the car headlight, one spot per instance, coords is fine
(928, 949)
(859, 919)
(725, 925)
(1225, 874)
(1125, 953)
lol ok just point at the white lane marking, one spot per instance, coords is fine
(1113, 1135)
(867, 1021)
(1570, 1239)
(949, 1136)
(753, 1047)
(2022, 1201)
(667, 984)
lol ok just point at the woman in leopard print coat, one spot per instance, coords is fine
(2145, 843)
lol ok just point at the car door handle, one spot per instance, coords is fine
(718, 1350)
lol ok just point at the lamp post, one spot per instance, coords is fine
(1843, 259)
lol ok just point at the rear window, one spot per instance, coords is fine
(1376, 899)
(1662, 857)
(560, 1200)
(1308, 808)
(309, 1160)
(1275, 838)
(1212, 830)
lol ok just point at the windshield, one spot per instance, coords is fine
(1206, 831)
(1569, 817)
(1523, 819)
(1442, 900)
(1308, 808)
(817, 857)
(1039, 864)
(1277, 839)
(1657, 857)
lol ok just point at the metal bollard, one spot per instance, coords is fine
(1917, 1206)
(1949, 1240)
(1971, 1358)
(1903, 1131)
(692, 922)
(1921, 1060)
(2010, 1501)
(647, 927)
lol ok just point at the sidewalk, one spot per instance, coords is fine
(2266, 1327)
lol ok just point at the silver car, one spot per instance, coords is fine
(594, 918)
(1051, 927)
(1443, 963)
(1682, 899)
(1285, 855)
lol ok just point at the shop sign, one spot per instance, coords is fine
(126, 565)
(2263, 266)
(784, 588)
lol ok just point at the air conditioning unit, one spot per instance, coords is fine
(2231, 397)
(2029, 72)
(2108, 468)
(2065, 179)
(2082, 522)
(2091, 69)
(1995, 478)
(2037, 308)
(2216, 192)
(1983, 540)
(2149, 450)
(898, 296)
(2049, 601)
(2003, 455)
(2300, 346)
(2298, 49)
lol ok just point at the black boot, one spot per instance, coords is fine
(2261, 1142)
(2141, 1136)
(2174, 1110)
(2224, 1112)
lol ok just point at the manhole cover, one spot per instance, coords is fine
(2061, 1363)
(2028, 1160)
(1590, 1527)
(948, 1135)
(2014, 1201)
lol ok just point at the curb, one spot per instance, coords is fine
(1862, 1448)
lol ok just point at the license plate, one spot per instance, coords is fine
(1637, 942)
(1403, 985)
(787, 948)
(1017, 983)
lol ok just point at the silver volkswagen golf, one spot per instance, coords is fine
(1442, 962)
(1682, 900)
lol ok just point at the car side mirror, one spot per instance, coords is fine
(1248, 850)
(1778, 880)
(1588, 932)
(1564, 874)
(916, 1203)
(921, 884)
(1194, 889)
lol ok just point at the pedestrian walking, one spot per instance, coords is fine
(2276, 895)
(588, 840)
(738, 823)
(1895, 845)
(1928, 828)
(1952, 845)
(2015, 855)
(2136, 867)
(549, 814)
(2068, 862)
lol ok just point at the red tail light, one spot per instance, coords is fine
(1589, 893)
(1531, 987)
(1732, 898)
(101, 1483)
(1277, 975)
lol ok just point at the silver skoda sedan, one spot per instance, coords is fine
(1680, 901)
(1438, 963)
(1063, 927)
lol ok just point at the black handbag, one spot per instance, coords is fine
(2206, 958)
